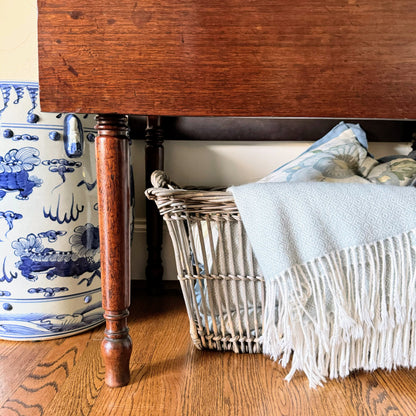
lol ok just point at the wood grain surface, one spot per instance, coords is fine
(169, 377)
(305, 58)
(114, 197)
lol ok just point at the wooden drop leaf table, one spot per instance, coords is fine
(232, 58)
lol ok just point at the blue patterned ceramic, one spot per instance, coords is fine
(49, 244)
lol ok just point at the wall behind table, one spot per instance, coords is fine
(18, 40)
(194, 163)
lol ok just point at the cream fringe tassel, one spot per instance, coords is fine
(350, 309)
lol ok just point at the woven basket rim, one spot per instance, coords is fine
(167, 193)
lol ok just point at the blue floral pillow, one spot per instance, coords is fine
(339, 156)
(400, 171)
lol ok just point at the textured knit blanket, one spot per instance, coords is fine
(339, 262)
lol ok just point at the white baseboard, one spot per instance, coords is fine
(139, 253)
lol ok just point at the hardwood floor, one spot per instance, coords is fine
(170, 377)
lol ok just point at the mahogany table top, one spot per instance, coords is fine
(280, 58)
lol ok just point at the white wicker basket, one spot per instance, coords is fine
(221, 282)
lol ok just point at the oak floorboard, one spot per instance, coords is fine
(170, 377)
(368, 397)
(401, 387)
(80, 390)
(44, 381)
(17, 360)
(297, 398)
(254, 385)
(6, 348)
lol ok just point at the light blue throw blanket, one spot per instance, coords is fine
(339, 263)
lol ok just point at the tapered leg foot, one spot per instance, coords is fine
(116, 350)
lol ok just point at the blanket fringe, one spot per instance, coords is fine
(347, 310)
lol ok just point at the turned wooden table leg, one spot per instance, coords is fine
(154, 223)
(113, 182)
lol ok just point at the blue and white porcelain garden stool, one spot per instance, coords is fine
(49, 242)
